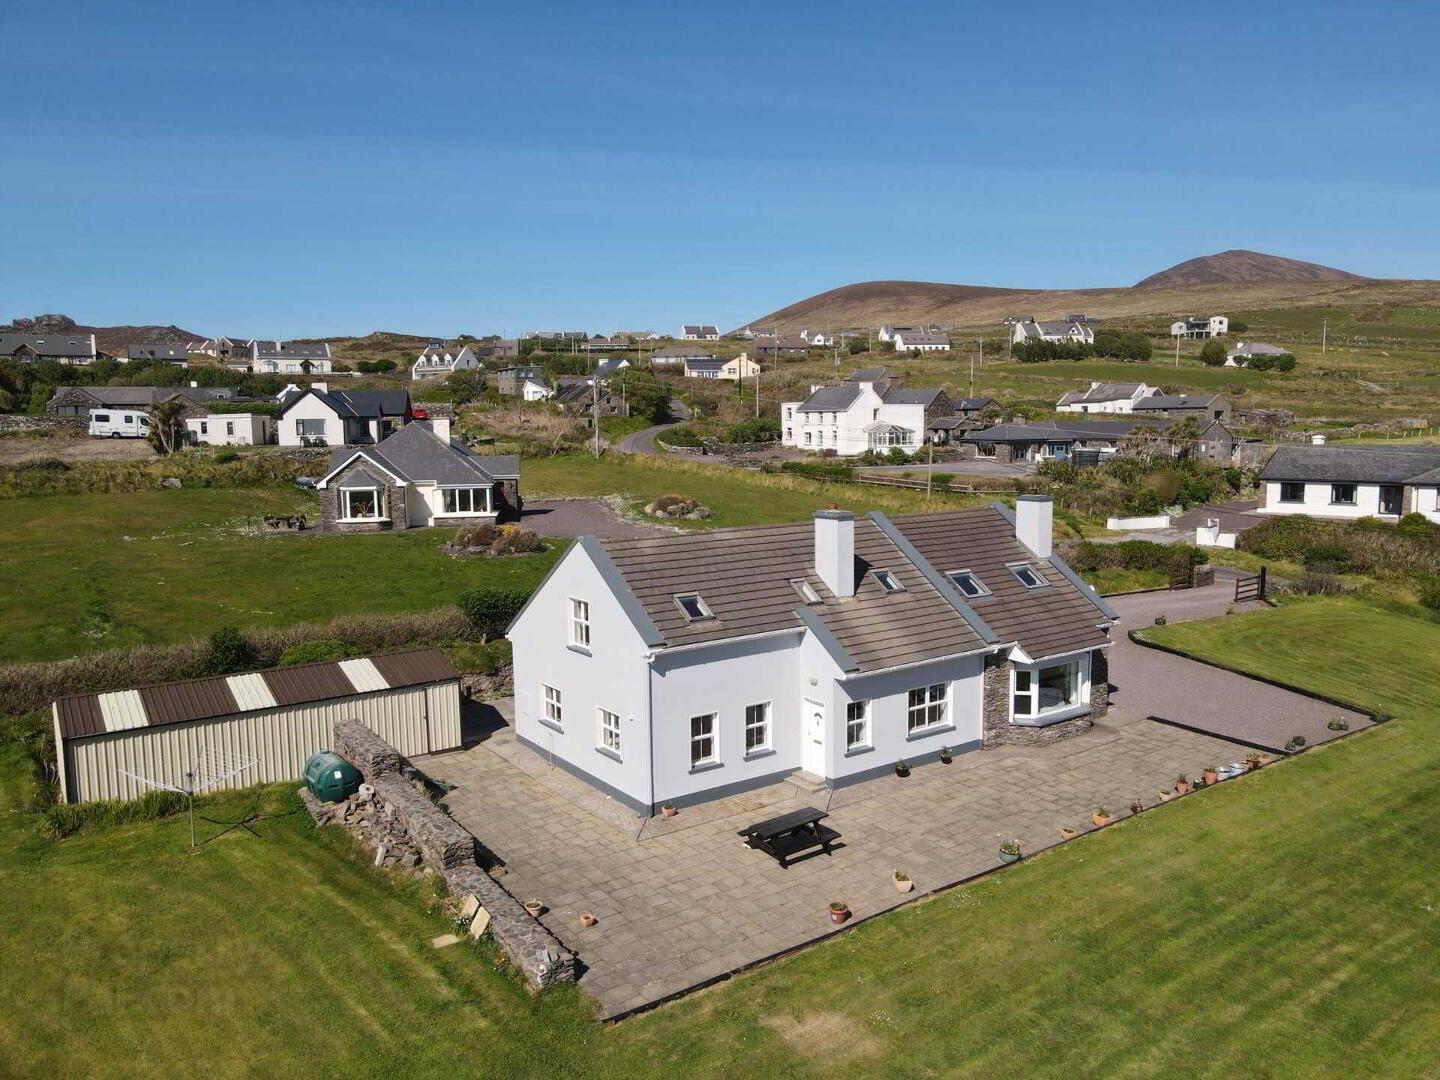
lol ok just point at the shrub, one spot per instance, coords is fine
(942, 480)
(1286, 538)
(1430, 594)
(42, 464)
(227, 455)
(488, 658)
(312, 652)
(477, 536)
(1416, 526)
(1283, 362)
(758, 430)
(490, 610)
(513, 540)
(228, 652)
(67, 819)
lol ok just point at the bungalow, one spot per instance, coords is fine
(1352, 481)
(869, 411)
(691, 667)
(818, 338)
(417, 477)
(61, 348)
(699, 333)
(1095, 440)
(557, 335)
(1192, 327)
(734, 369)
(156, 354)
(1061, 332)
(920, 341)
(679, 354)
(1244, 350)
(437, 360)
(601, 344)
(636, 335)
(1205, 406)
(1105, 398)
(319, 416)
(231, 429)
(79, 400)
(780, 346)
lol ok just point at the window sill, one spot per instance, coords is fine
(1055, 716)
(463, 514)
(759, 752)
(926, 732)
(706, 766)
(361, 521)
(605, 751)
(546, 722)
(854, 751)
(581, 649)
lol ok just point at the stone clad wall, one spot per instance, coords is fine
(449, 848)
(12, 422)
(998, 731)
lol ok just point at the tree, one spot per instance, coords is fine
(167, 426)
(465, 385)
(1284, 362)
(227, 652)
(1212, 354)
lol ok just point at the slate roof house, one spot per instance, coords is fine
(734, 369)
(288, 358)
(416, 477)
(170, 354)
(61, 348)
(1105, 398)
(685, 668)
(920, 341)
(1060, 331)
(79, 400)
(1205, 406)
(1352, 481)
(319, 416)
(702, 332)
(780, 346)
(438, 360)
(1053, 440)
(869, 411)
(1244, 350)
(679, 354)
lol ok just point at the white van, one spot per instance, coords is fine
(119, 423)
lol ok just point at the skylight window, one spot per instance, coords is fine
(968, 584)
(887, 581)
(806, 590)
(693, 606)
(1028, 576)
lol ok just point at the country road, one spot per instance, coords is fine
(643, 442)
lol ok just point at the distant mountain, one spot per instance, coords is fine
(1239, 267)
(107, 338)
(872, 302)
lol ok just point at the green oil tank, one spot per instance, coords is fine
(330, 777)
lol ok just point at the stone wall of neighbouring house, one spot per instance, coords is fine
(1099, 683)
(998, 731)
(11, 422)
(395, 505)
(508, 502)
(1004, 453)
(451, 850)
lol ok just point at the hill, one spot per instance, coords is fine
(1243, 267)
(852, 305)
(107, 338)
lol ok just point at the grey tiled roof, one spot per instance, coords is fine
(970, 404)
(1178, 401)
(360, 404)
(415, 453)
(1257, 348)
(868, 374)
(831, 398)
(275, 350)
(49, 344)
(1353, 464)
(896, 395)
(157, 352)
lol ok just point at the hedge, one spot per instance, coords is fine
(818, 472)
(1134, 555)
(110, 477)
(489, 611)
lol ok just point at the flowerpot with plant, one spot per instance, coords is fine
(1182, 785)
(1160, 620)
(1252, 762)
(902, 769)
(903, 884)
(839, 911)
(1009, 849)
(1101, 815)
(1067, 833)
(1211, 775)
(946, 755)
(1137, 806)
(1296, 743)
(534, 908)
(668, 810)
(586, 919)
(1339, 724)
(1165, 795)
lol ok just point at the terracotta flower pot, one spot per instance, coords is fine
(1211, 777)
(1098, 821)
(534, 907)
(838, 917)
(1182, 789)
(1166, 796)
(668, 811)
(588, 920)
(1067, 834)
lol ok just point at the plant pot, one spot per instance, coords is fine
(1211, 777)
(1182, 789)
(588, 920)
(902, 769)
(1067, 834)
(946, 759)
(1009, 856)
(668, 811)
(534, 908)
(1099, 821)
(1166, 796)
(1137, 807)
(839, 916)
(903, 885)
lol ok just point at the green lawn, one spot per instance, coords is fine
(87, 572)
(1280, 926)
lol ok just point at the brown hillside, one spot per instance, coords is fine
(1243, 267)
(109, 339)
(895, 301)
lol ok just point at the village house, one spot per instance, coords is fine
(1210, 327)
(416, 477)
(319, 416)
(780, 346)
(1348, 482)
(734, 369)
(521, 380)
(290, 358)
(1092, 441)
(869, 411)
(818, 338)
(222, 347)
(887, 333)
(61, 348)
(920, 341)
(557, 335)
(1060, 332)
(79, 400)
(231, 429)
(586, 397)
(699, 333)
(681, 669)
(1105, 398)
(679, 354)
(497, 348)
(156, 354)
(636, 335)
(437, 360)
(1204, 406)
(1240, 355)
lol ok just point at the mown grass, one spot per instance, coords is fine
(1280, 926)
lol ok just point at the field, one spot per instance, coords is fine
(1281, 926)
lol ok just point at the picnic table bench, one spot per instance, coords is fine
(789, 834)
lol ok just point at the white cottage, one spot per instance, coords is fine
(869, 411)
(319, 416)
(436, 360)
(686, 668)
(1348, 482)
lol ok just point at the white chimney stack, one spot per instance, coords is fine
(1035, 524)
(440, 425)
(1317, 440)
(322, 387)
(835, 550)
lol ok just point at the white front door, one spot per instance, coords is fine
(812, 738)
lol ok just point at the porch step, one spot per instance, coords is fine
(807, 783)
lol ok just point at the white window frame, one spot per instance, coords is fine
(710, 754)
(552, 706)
(452, 492)
(348, 515)
(705, 612)
(883, 576)
(607, 734)
(932, 710)
(579, 622)
(757, 719)
(1036, 716)
(857, 725)
(1018, 568)
(981, 588)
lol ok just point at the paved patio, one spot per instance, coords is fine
(681, 901)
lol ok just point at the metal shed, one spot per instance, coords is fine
(277, 717)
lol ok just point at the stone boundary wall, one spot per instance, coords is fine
(450, 849)
(13, 422)
(719, 448)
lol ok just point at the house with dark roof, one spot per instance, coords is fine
(1204, 406)
(79, 400)
(418, 477)
(1348, 482)
(61, 348)
(1104, 397)
(785, 345)
(868, 411)
(1244, 351)
(319, 416)
(685, 668)
(1094, 440)
(1062, 332)
(156, 354)
(699, 332)
(920, 341)
(679, 354)
(437, 360)
(286, 358)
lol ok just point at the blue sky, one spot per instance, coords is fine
(297, 169)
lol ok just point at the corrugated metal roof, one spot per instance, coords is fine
(80, 715)
(363, 675)
(308, 682)
(121, 710)
(414, 667)
(250, 691)
(174, 703)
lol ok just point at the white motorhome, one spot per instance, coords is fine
(119, 423)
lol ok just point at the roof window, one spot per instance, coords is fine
(887, 581)
(693, 607)
(968, 584)
(806, 590)
(1028, 576)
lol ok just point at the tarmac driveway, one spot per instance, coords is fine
(583, 517)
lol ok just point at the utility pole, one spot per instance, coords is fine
(930, 472)
(1324, 335)
(757, 390)
(1177, 350)
(595, 410)
(972, 376)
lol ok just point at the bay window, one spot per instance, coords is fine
(360, 504)
(1043, 691)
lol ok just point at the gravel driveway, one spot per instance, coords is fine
(583, 517)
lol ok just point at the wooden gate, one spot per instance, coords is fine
(1251, 587)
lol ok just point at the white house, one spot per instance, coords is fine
(1106, 398)
(734, 369)
(920, 341)
(534, 389)
(1060, 332)
(415, 478)
(319, 416)
(231, 429)
(1210, 327)
(869, 411)
(266, 357)
(887, 333)
(1348, 482)
(679, 354)
(701, 332)
(1244, 350)
(61, 348)
(684, 668)
(436, 360)
(818, 338)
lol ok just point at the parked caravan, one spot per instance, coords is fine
(119, 423)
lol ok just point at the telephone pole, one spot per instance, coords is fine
(1324, 335)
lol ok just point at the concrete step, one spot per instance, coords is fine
(807, 783)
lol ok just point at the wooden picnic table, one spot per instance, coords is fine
(789, 834)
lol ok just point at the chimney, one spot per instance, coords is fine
(1317, 439)
(1035, 524)
(835, 549)
(440, 425)
(322, 387)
